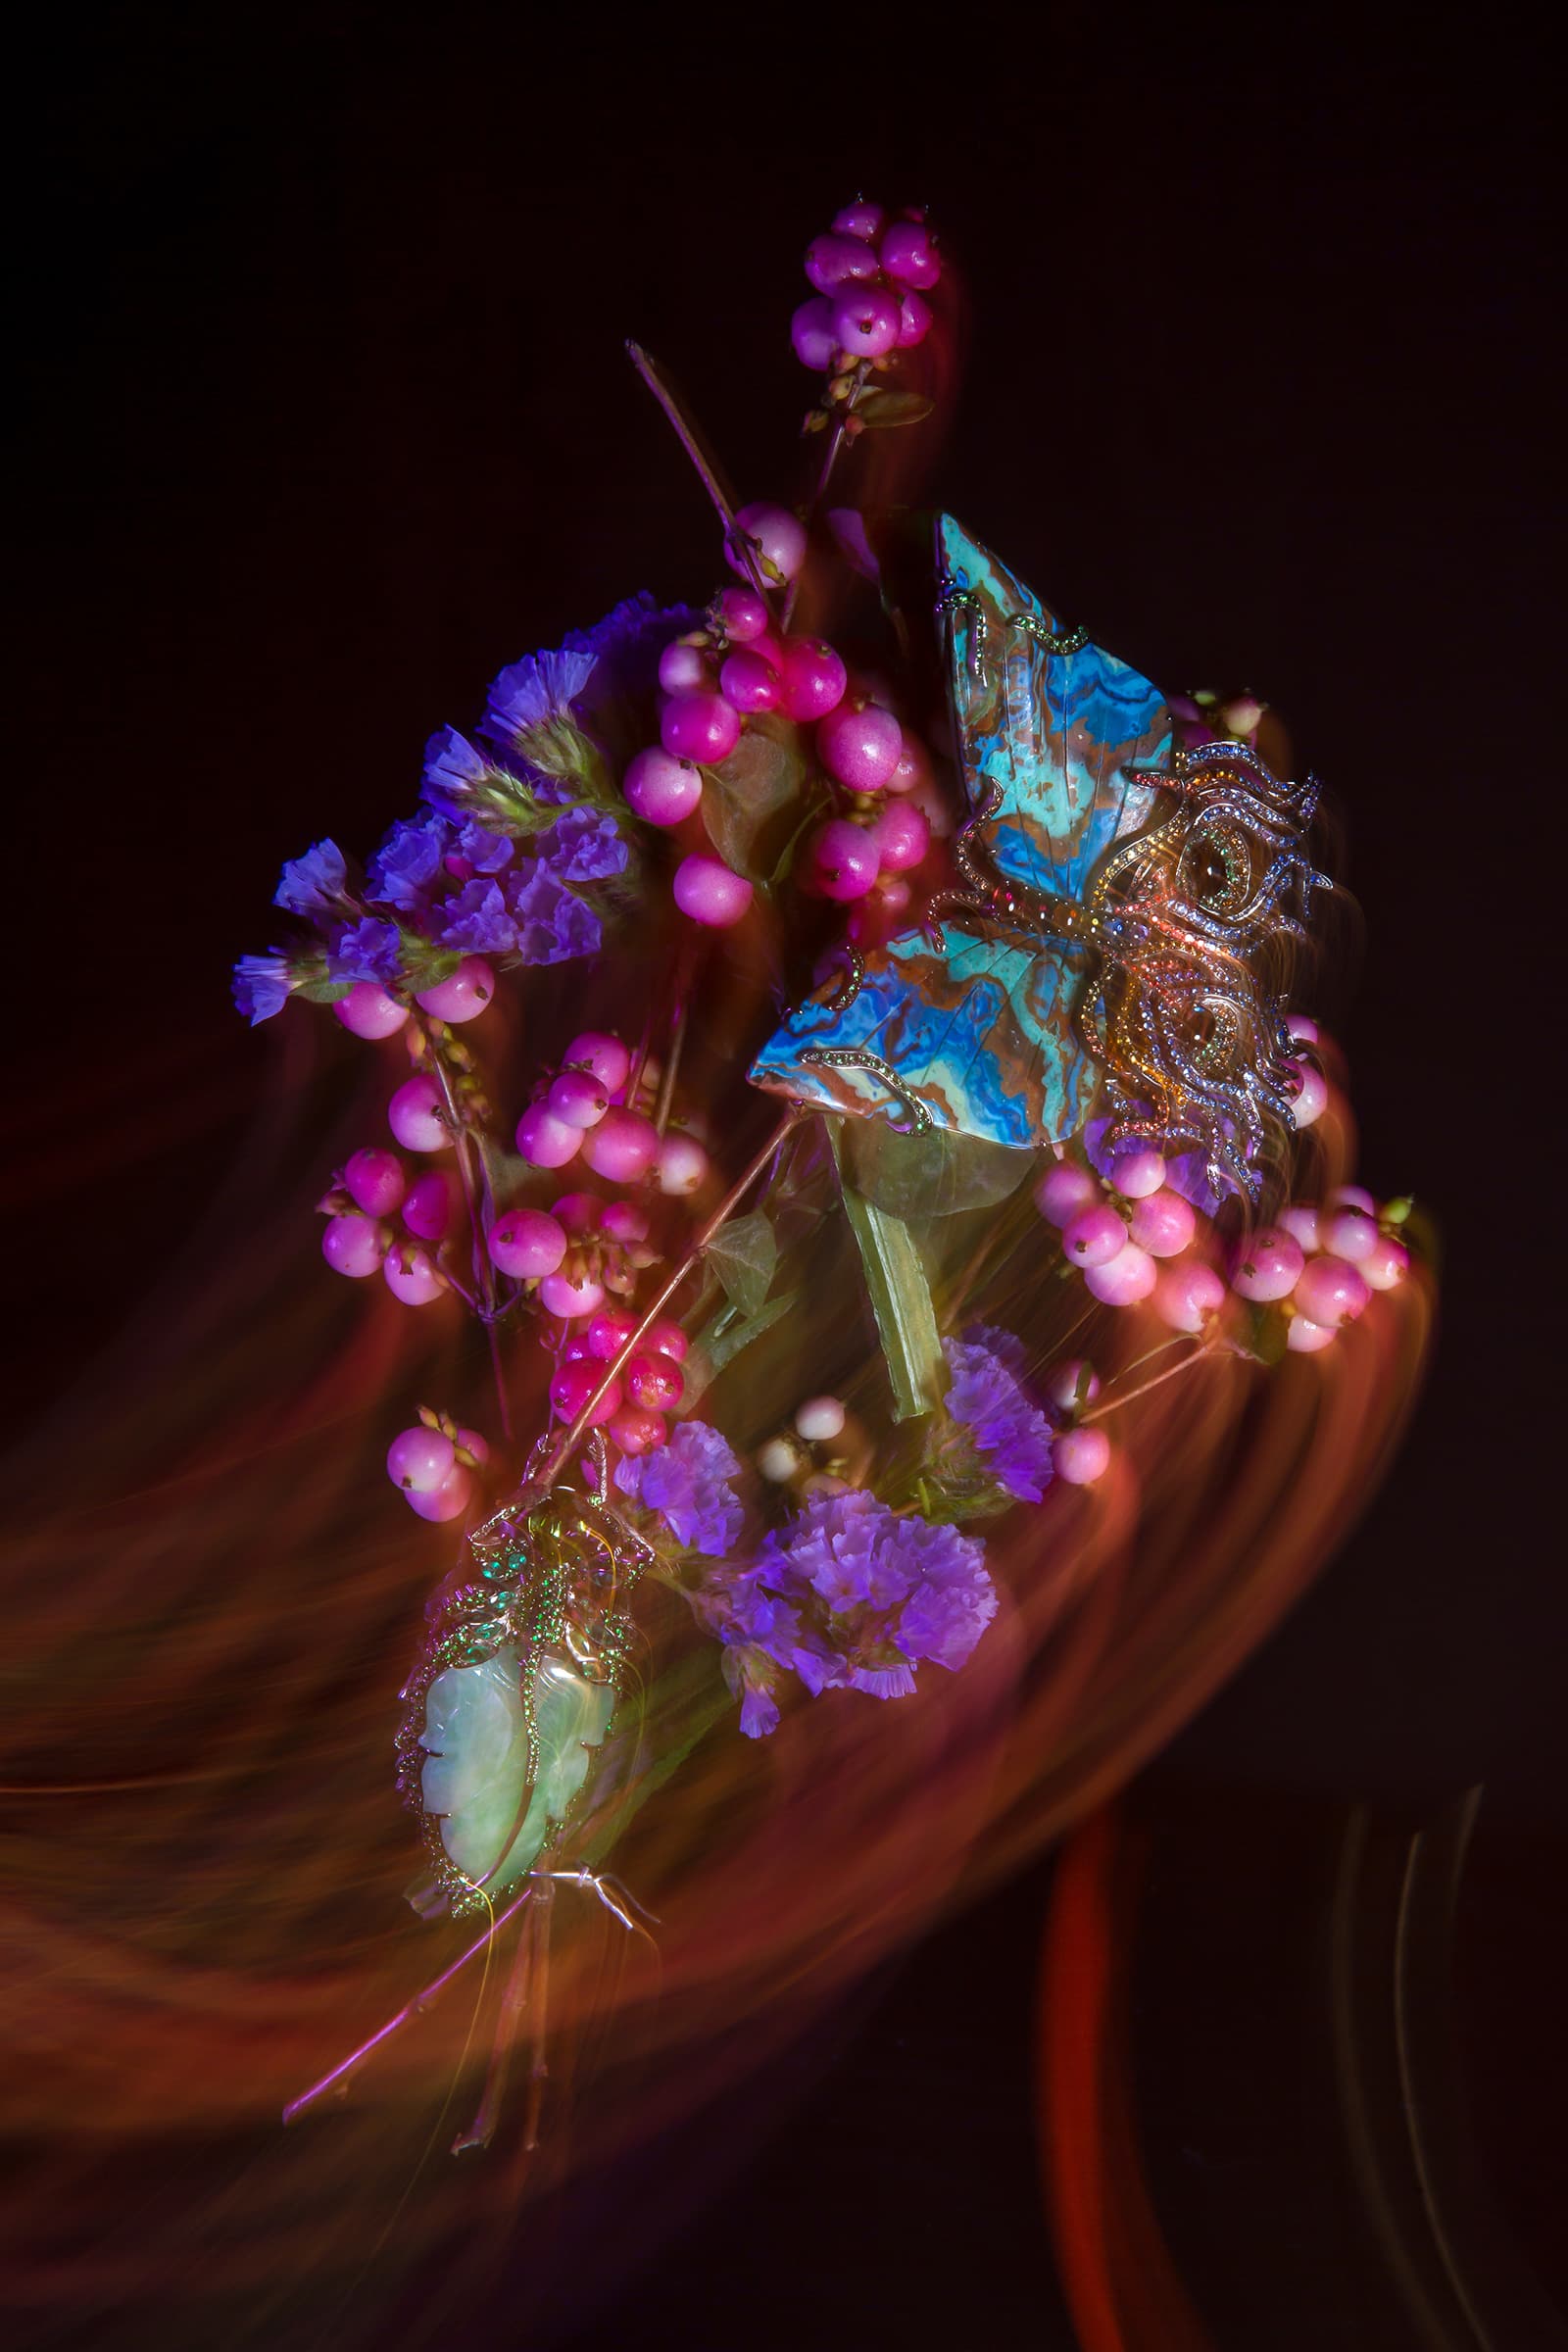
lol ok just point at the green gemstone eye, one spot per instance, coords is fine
(1216, 868)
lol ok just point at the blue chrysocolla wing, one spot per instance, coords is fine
(977, 1030)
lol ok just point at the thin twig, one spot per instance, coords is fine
(1203, 1350)
(687, 435)
(483, 1268)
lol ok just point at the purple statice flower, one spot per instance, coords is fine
(367, 950)
(408, 863)
(584, 846)
(486, 852)
(478, 920)
(877, 1591)
(986, 1396)
(553, 924)
(687, 1482)
(953, 1603)
(751, 1677)
(618, 629)
(534, 692)
(456, 775)
(315, 884)
(263, 985)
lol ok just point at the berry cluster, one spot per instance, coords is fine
(871, 276)
(432, 1465)
(584, 1111)
(648, 1384)
(360, 1238)
(1080, 1451)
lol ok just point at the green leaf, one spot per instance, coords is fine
(901, 1299)
(881, 408)
(748, 799)
(744, 1254)
(726, 1344)
(935, 1174)
(323, 992)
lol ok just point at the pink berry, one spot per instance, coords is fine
(698, 726)
(1307, 1337)
(433, 1204)
(892, 893)
(914, 321)
(626, 1223)
(574, 1383)
(1386, 1264)
(748, 682)
(376, 1181)
(1354, 1195)
(1095, 1236)
(545, 1140)
(636, 1432)
(812, 334)
(662, 791)
(608, 1335)
(1125, 1279)
(913, 769)
(666, 1337)
(859, 219)
(684, 669)
(1081, 1455)
(743, 615)
(416, 1116)
(462, 993)
(901, 836)
(1187, 1294)
(1138, 1172)
(842, 859)
(578, 1097)
(1162, 1223)
(622, 1147)
(353, 1244)
(1331, 1290)
(569, 1293)
(837, 260)
(419, 1459)
(655, 1382)
(1312, 1096)
(1304, 1031)
(1268, 1265)
(604, 1055)
(860, 744)
(473, 1442)
(866, 320)
(780, 537)
(1300, 1221)
(1350, 1233)
(1072, 1385)
(909, 254)
(412, 1274)
(577, 1347)
(525, 1243)
(683, 1164)
(368, 1011)
(450, 1499)
(578, 1213)
(811, 679)
(710, 891)
(1063, 1191)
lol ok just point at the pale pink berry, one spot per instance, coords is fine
(1331, 1290)
(473, 1442)
(859, 219)
(578, 1097)
(820, 1420)
(462, 993)
(666, 1337)
(622, 1147)
(743, 615)
(575, 1348)
(914, 321)
(902, 837)
(1300, 1221)
(709, 892)
(1187, 1294)
(608, 1333)
(1386, 1264)
(912, 774)
(1138, 1171)
(1125, 1279)
(835, 261)
(655, 1382)
(683, 1164)
(1268, 1265)
(636, 1432)
(779, 535)
(1063, 1191)
(545, 1140)
(416, 1115)
(698, 726)
(1307, 1337)
(571, 1292)
(748, 682)
(604, 1055)
(661, 790)
(842, 860)
(1081, 1455)
(623, 1222)
(1071, 1384)
(811, 679)
(866, 320)
(375, 1181)
(1162, 1223)
(525, 1244)
(353, 1244)
(892, 893)
(684, 669)
(412, 1274)
(909, 254)
(433, 1204)
(1349, 1232)
(419, 1459)
(450, 1499)
(1304, 1030)
(1312, 1099)
(934, 805)
(812, 334)
(1094, 1236)
(1354, 1195)
(860, 744)
(578, 1213)
(573, 1387)
(368, 1011)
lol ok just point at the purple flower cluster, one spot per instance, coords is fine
(851, 1595)
(687, 1483)
(1008, 1432)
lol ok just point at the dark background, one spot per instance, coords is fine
(318, 333)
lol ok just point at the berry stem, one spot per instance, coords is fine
(687, 435)
(1206, 1349)
(479, 1201)
(684, 989)
(830, 459)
